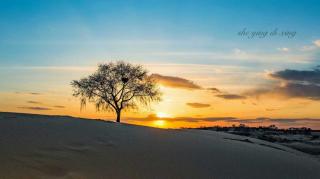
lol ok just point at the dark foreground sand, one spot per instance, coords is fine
(34, 146)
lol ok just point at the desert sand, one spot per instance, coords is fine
(37, 146)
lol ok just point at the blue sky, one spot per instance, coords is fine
(44, 33)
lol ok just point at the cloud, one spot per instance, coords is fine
(310, 91)
(231, 96)
(214, 90)
(198, 105)
(31, 93)
(58, 106)
(153, 117)
(311, 76)
(280, 120)
(317, 43)
(239, 52)
(274, 57)
(283, 120)
(261, 121)
(235, 54)
(225, 95)
(290, 90)
(314, 46)
(175, 82)
(35, 93)
(35, 108)
(33, 102)
(293, 84)
(283, 49)
(308, 48)
(216, 119)
(271, 109)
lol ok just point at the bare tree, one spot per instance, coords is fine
(117, 86)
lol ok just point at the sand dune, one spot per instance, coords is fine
(36, 146)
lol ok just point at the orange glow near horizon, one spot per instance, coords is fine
(174, 105)
(164, 114)
(159, 123)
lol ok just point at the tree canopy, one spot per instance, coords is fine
(117, 86)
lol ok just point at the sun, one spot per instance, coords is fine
(159, 123)
(162, 115)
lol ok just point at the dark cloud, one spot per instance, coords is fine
(247, 121)
(311, 76)
(198, 105)
(310, 91)
(35, 108)
(33, 102)
(175, 82)
(225, 95)
(293, 84)
(231, 96)
(290, 90)
(58, 106)
(35, 93)
(271, 109)
(214, 90)
(294, 120)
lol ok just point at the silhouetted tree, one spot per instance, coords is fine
(117, 86)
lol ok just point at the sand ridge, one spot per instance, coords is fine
(36, 146)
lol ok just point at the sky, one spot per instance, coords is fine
(218, 62)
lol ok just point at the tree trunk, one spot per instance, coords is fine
(118, 115)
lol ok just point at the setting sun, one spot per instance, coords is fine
(159, 123)
(162, 115)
